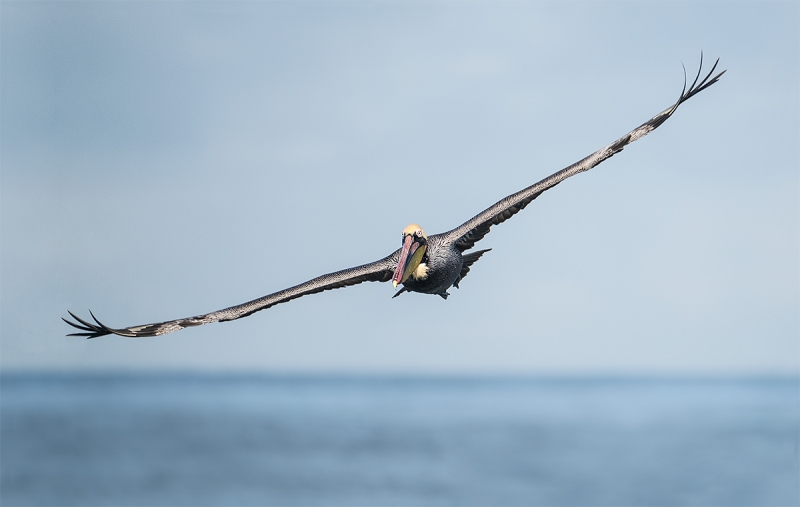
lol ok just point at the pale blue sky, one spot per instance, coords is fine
(161, 160)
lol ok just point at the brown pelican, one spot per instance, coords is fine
(426, 264)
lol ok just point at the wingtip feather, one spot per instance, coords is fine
(89, 330)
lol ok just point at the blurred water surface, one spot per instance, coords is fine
(260, 440)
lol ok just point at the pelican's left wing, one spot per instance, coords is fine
(379, 271)
(466, 235)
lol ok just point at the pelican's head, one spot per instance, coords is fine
(415, 242)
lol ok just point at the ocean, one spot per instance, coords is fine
(169, 440)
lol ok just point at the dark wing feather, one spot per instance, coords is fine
(467, 261)
(379, 271)
(466, 235)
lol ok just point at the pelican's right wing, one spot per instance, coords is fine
(466, 235)
(379, 271)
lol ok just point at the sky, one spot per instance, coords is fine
(160, 160)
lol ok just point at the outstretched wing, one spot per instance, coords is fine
(466, 235)
(379, 271)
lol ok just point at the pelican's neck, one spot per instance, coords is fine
(421, 272)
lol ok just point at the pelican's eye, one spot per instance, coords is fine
(419, 232)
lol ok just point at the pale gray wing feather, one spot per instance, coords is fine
(379, 271)
(466, 235)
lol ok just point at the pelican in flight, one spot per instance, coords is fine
(425, 264)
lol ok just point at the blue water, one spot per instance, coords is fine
(212, 440)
